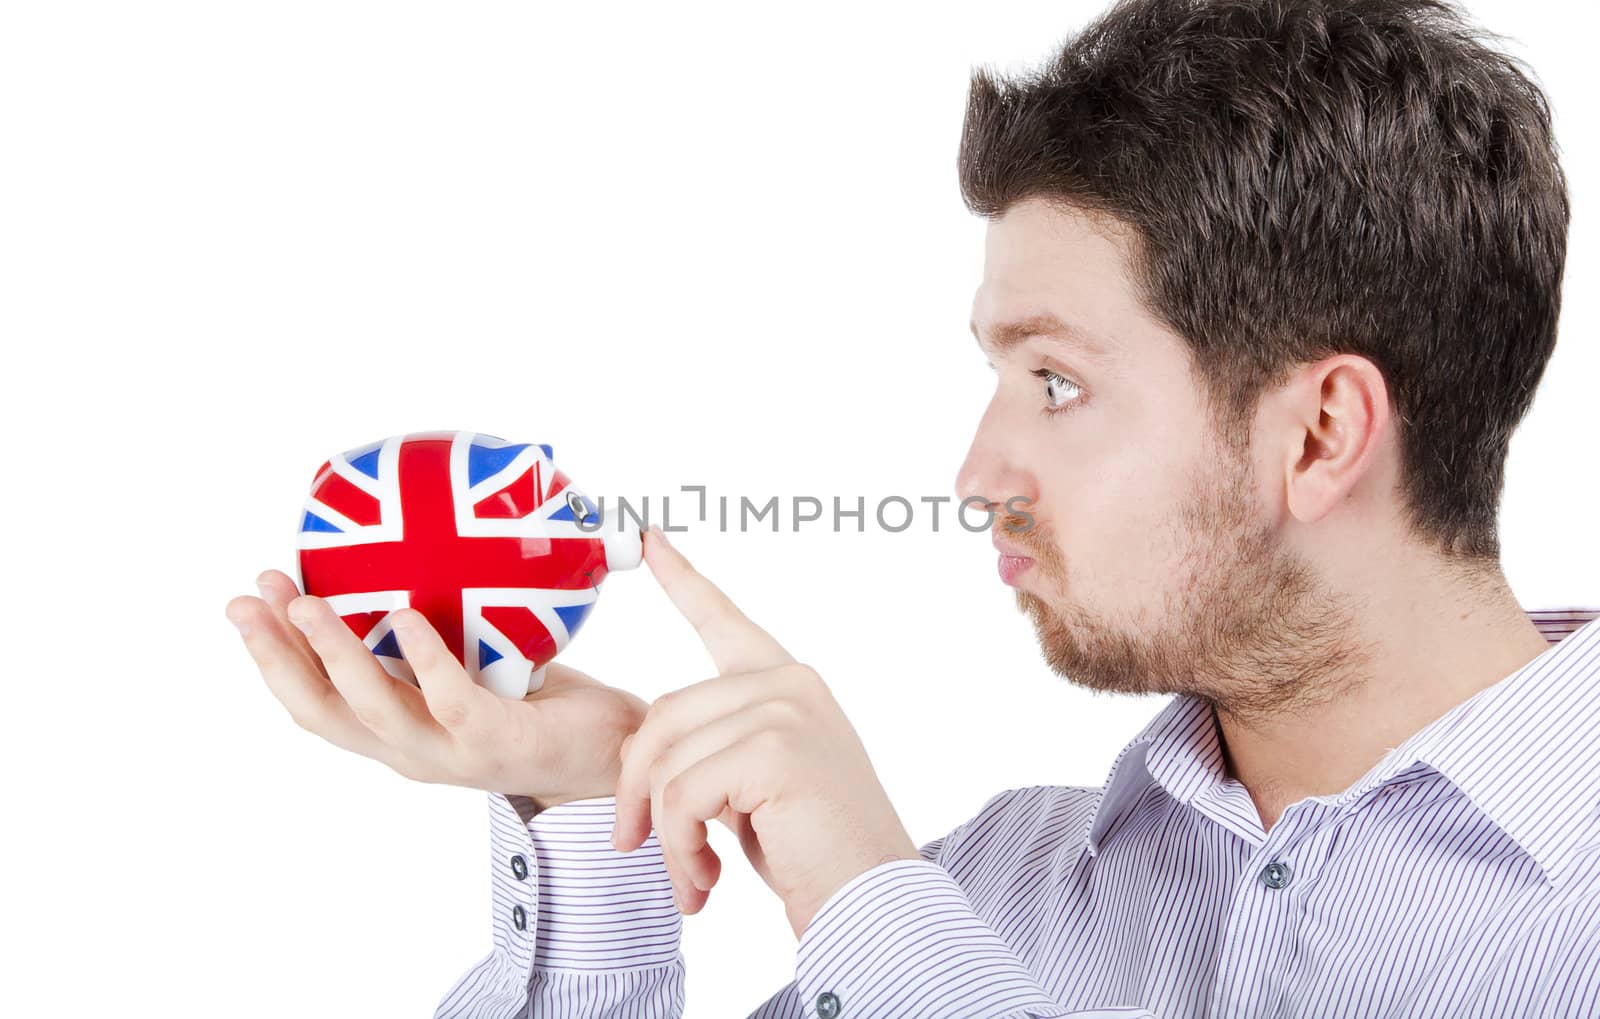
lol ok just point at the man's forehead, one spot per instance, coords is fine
(1046, 274)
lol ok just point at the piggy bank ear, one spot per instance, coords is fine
(549, 454)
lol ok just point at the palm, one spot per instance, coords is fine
(562, 742)
(576, 723)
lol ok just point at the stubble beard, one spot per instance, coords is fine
(1244, 623)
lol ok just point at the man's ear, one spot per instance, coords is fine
(1332, 416)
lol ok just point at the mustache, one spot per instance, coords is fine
(1026, 532)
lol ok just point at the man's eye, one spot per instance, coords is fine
(1058, 388)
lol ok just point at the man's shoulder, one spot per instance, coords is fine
(1550, 953)
(1018, 844)
(1045, 799)
(1018, 819)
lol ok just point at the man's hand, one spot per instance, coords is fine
(763, 748)
(558, 743)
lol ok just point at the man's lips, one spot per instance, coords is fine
(1013, 560)
(1011, 567)
(1007, 548)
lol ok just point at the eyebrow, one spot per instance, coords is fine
(1008, 335)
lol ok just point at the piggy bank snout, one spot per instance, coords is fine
(624, 544)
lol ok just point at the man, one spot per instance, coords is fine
(1268, 286)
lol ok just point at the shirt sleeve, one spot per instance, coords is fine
(578, 928)
(902, 939)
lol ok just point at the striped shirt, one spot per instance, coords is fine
(1460, 877)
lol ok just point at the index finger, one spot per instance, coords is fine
(736, 644)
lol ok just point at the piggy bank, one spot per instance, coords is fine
(484, 537)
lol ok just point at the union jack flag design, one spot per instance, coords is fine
(480, 535)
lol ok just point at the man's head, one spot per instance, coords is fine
(1312, 255)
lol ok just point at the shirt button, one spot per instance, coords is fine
(827, 1005)
(519, 867)
(1275, 874)
(519, 918)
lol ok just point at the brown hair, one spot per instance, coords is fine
(1305, 178)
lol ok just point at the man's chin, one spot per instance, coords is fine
(1050, 625)
(1037, 606)
(1078, 650)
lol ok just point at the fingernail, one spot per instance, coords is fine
(242, 627)
(302, 623)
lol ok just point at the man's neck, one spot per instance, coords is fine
(1424, 656)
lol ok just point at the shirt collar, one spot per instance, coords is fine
(1521, 750)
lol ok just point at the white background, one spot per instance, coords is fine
(719, 246)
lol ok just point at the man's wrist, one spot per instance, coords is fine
(541, 804)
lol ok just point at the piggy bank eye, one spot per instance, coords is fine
(580, 512)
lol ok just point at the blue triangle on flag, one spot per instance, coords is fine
(486, 655)
(574, 615)
(312, 522)
(367, 463)
(549, 454)
(388, 647)
(486, 461)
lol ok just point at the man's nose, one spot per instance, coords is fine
(972, 480)
(990, 474)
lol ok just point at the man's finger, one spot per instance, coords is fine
(278, 590)
(394, 710)
(736, 644)
(454, 700)
(307, 694)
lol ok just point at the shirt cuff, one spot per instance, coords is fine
(902, 939)
(584, 906)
